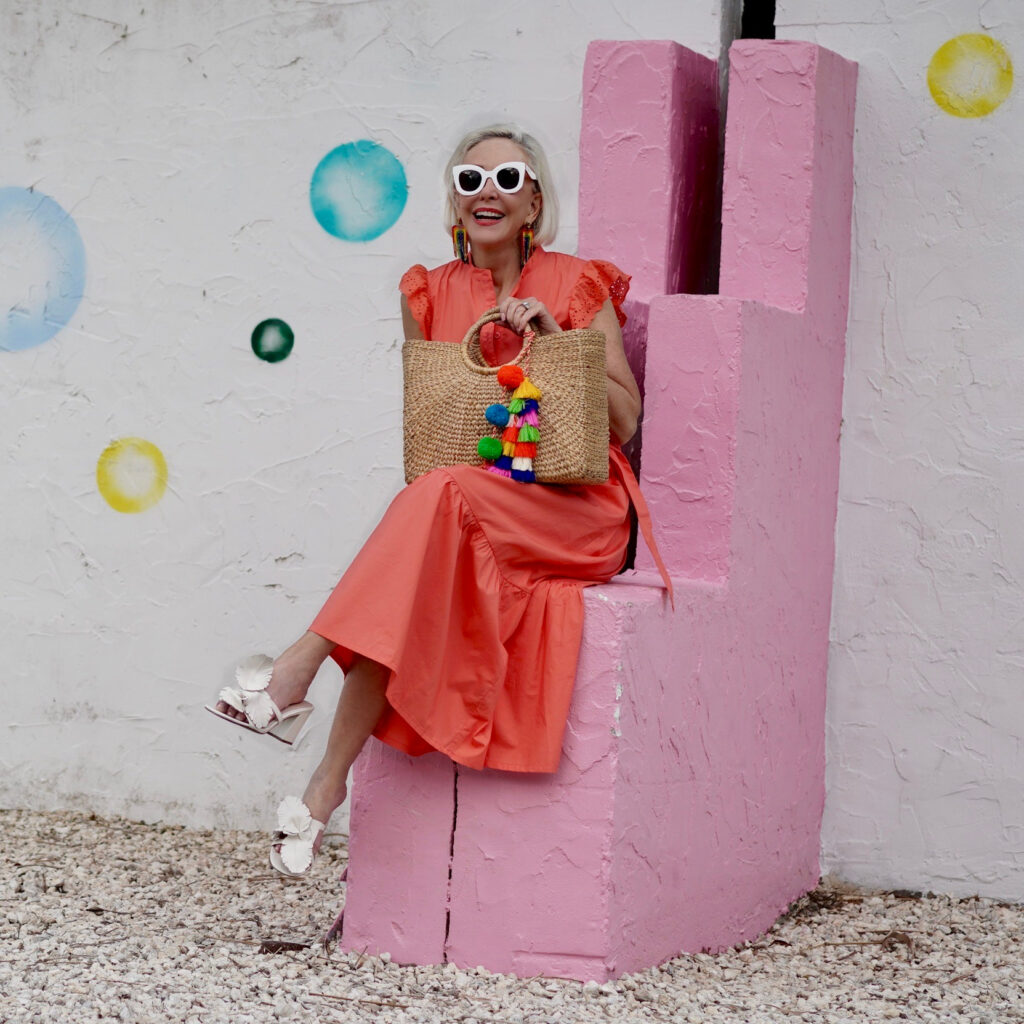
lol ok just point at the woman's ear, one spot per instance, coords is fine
(536, 204)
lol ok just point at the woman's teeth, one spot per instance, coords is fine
(488, 215)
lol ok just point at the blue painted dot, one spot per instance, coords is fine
(42, 268)
(358, 191)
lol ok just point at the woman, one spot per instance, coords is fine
(458, 624)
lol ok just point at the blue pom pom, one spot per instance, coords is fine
(505, 462)
(524, 476)
(497, 414)
(530, 405)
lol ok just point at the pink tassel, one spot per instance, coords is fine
(530, 418)
(507, 473)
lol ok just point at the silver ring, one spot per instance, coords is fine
(525, 305)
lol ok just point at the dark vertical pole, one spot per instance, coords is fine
(758, 19)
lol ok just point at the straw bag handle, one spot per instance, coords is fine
(489, 317)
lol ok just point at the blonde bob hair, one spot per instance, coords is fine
(546, 226)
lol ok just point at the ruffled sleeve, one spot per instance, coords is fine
(598, 281)
(416, 290)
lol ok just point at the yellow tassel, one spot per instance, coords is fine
(527, 390)
(508, 448)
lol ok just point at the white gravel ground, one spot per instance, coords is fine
(114, 920)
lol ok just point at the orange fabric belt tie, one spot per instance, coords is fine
(643, 517)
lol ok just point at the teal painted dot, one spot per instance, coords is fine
(272, 340)
(358, 191)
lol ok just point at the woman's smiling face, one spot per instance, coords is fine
(493, 218)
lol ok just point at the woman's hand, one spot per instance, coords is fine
(519, 312)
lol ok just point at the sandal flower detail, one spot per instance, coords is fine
(291, 850)
(251, 697)
(262, 715)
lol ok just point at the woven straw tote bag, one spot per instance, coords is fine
(448, 387)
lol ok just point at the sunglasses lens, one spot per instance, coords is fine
(508, 179)
(469, 181)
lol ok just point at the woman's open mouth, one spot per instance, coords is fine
(486, 216)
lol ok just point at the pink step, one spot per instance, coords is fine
(686, 812)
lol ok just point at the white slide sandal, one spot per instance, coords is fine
(291, 849)
(250, 697)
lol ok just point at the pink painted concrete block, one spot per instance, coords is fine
(401, 823)
(785, 242)
(788, 178)
(531, 880)
(649, 197)
(649, 146)
(685, 814)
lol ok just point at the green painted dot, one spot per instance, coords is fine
(272, 340)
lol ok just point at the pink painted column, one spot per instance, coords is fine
(649, 196)
(401, 825)
(686, 810)
(649, 164)
(741, 461)
(787, 197)
(531, 877)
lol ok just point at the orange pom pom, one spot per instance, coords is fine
(510, 376)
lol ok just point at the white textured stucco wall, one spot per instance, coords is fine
(925, 716)
(182, 138)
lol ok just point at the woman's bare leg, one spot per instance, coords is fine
(360, 707)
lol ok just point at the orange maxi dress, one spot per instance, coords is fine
(470, 588)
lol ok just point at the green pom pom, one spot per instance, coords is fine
(516, 405)
(529, 433)
(489, 448)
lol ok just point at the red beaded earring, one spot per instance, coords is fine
(460, 243)
(525, 243)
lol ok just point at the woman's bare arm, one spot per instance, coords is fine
(623, 393)
(409, 324)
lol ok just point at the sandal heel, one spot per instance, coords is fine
(287, 731)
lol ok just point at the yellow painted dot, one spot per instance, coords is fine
(970, 75)
(131, 474)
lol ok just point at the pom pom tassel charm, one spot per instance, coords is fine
(489, 448)
(513, 453)
(511, 376)
(497, 414)
(527, 390)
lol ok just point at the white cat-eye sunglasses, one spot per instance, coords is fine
(509, 177)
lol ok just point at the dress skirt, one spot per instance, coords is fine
(470, 591)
